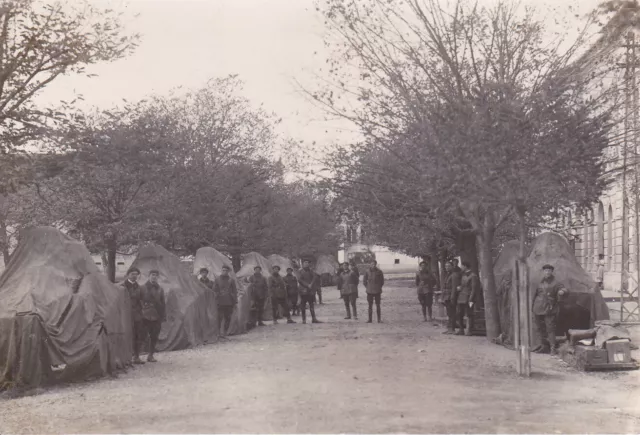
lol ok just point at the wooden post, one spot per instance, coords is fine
(525, 327)
(515, 307)
(521, 317)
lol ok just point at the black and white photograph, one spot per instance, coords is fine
(319, 216)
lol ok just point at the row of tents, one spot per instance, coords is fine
(61, 319)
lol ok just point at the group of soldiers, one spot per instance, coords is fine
(460, 292)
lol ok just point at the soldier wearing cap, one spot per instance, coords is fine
(224, 287)
(204, 278)
(259, 291)
(278, 293)
(545, 309)
(153, 311)
(291, 283)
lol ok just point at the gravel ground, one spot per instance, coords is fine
(401, 376)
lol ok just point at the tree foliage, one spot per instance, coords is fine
(467, 113)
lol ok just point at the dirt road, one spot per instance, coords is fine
(341, 376)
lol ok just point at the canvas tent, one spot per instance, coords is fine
(60, 317)
(214, 260)
(191, 310)
(584, 304)
(327, 268)
(279, 260)
(249, 261)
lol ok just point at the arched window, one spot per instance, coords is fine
(585, 242)
(600, 226)
(610, 248)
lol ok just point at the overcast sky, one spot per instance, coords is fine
(185, 42)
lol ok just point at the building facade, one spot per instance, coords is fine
(389, 261)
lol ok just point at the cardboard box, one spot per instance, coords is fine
(589, 355)
(619, 351)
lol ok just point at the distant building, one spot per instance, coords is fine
(388, 261)
(123, 263)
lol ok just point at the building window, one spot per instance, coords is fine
(610, 247)
(98, 263)
(349, 234)
(396, 261)
(120, 263)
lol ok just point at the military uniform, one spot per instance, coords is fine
(137, 324)
(450, 298)
(206, 282)
(278, 293)
(226, 293)
(545, 310)
(349, 292)
(259, 291)
(153, 313)
(425, 283)
(307, 294)
(373, 282)
(291, 283)
(469, 290)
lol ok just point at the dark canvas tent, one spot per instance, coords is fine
(191, 310)
(249, 261)
(327, 268)
(60, 317)
(214, 260)
(584, 303)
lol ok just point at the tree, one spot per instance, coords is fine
(484, 117)
(109, 191)
(39, 42)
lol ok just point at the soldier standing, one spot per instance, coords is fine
(469, 289)
(350, 291)
(425, 283)
(130, 285)
(545, 309)
(153, 311)
(227, 298)
(259, 291)
(450, 296)
(278, 293)
(291, 283)
(373, 282)
(307, 276)
(204, 278)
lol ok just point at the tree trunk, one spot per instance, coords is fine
(522, 229)
(4, 240)
(236, 260)
(111, 259)
(444, 254)
(485, 242)
(433, 264)
(468, 249)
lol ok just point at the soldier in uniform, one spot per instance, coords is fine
(307, 294)
(450, 296)
(278, 293)
(130, 285)
(469, 290)
(291, 283)
(425, 283)
(373, 282)
(153, 311)
(350, 291)
(203, 277)
(227, 298)
(259, 291)
(545, 309)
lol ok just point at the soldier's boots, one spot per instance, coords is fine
(151, 359)
(137, 360)
(290, 320)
